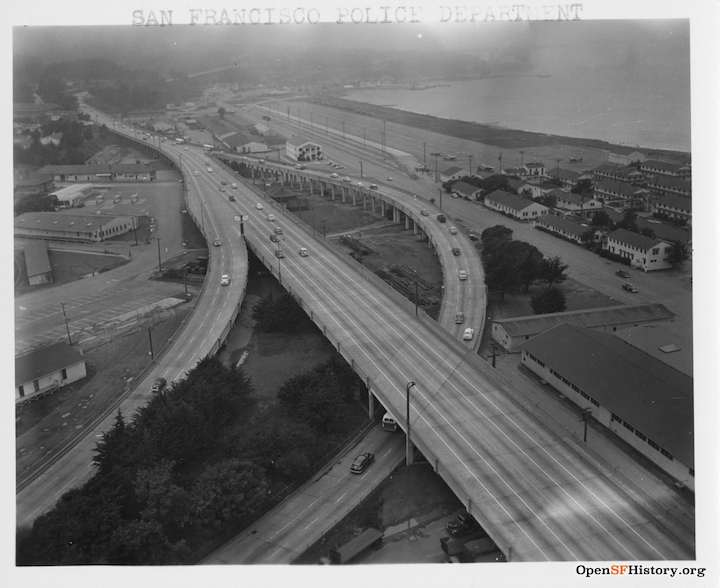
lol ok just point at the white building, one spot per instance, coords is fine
(71, 196)
(47, 369)
(644, 253)
(302, 149)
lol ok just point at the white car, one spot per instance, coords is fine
(453, 230)
(259, 206)
(347, 179)
(389, 179)
(359, 183)
(425, 212)
(468, 334)
(334, 175)
(224, 280)
(462, 274)
(271, 218)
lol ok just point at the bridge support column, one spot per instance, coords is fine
(353, 194)
(407, 222)
(371, 403)
(365, 201)
(344, 195)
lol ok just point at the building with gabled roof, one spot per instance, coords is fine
(241, 143)
(510, 333)
(670, 185)
(645, 253)
(452, 173)
(673, 207)
(571, 230)
(47, 369)
(643, 401)
(577, 204)
(79, 228)
(37, 263)
(535, 169)
(621, 195)
(518, 207)
(117, 172)
(664, 168)
(465, 190)
(300, 148)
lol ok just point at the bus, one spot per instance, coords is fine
(207, 148)
(389, 423)
(179, 141)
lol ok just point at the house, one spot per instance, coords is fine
(452, 173)
(71, 196)
(465, 190)
(645, 253)
(518, 207)
(109, 155)
(71, 227)
(130, 172)
(510, 333)
(563, 227)
(654, 167)
(621, 196)
(37, 263)
(625, 159)
(567, 177)
(241, 143)
(673, 207)
(301, 149)
(47, 369)
(515, 171)
(608, 171)
(669, 185)
(645, 402)
(535, 169)
(527, 189)
(577, 204)
(220, 129)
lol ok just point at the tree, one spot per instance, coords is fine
(647, 232)
(552, 271)
(221, 112)
(678, 254)
(502, 274)
(494, 235)
(549, 300)
(629, 222)
(601, 219)
(584, 186)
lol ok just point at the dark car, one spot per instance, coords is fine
(630, 288)
(441, 218)
(462, 525)
(456, 251)
(361, 462)
(159, 385)
(622, 274)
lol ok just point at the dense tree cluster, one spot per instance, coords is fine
(511, 266)
(36, 203)
(181, 471)
(279, 313)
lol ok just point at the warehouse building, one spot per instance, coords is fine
(46, 370)
(645, 402)
(72, 227)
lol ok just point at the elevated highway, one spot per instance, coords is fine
(541, 497)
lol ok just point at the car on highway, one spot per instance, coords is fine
(361, 462)
(630, 287)
(217, 242)
(425, 212)
(222, 189)
(303, 251)
(278, 231)
(158, 385)
(209, 169)
(271, 218)
(274, 238)
(186, 149)
(196, 173)
(224, 183)
(347, 179)
(279, 253)
(299, 166)
(462, 274)
(389, 179)
(438, 153)
(459, 317)
(622, 274)
(373, 186)
(453, 230)
(224, 280)
(259, 206)
(231, 198)
(441, 218)
(456, 250)
(468, 334)
(360, 184)
(473, 237)
(234, 185)
(334, 175)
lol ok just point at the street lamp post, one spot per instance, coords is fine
(436, 167)
(361, 169)
(152, 353)
(323, 224)
(67, 328)
(159, 259)
(440, 192)
(408, 446)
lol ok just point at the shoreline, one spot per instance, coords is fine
(486, 133)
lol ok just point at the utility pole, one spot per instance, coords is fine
(67, 328)
(436, 168)
(500, 159)
(424, 161)
(343, 127)
(470, 156)
(152, 353)
(416, 296)
(586, 413)
(159, 259)
(493, 346)
(384, 139)
(323, 224)
(522, 154)
(361, 170)
(326, 127)
(440, 192)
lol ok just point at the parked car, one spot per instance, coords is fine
(361, 462)
(299, 166)
(622, 273)
(468, 334)
(158, 385)
(462, 525)
(224, 280)
(630, 287)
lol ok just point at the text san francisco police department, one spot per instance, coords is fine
(360, 15)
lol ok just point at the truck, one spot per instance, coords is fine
(389, 423)
(179, 141)
(368, 538)
(473, 550)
